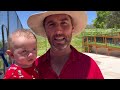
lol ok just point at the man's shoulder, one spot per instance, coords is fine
(80, 55)
(83, 57)
(77, 54)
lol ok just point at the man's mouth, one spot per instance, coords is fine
(59, 40)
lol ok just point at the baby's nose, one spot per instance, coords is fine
(30, 54)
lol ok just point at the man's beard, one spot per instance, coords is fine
(61, 45)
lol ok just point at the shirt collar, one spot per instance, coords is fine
(73, 55)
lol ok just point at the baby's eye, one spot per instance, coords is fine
(64, 23)
(24, 51)
(34, 49)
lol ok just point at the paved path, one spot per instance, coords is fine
(109, 65)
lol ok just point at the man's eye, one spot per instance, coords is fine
(64, 23)
(51, 24)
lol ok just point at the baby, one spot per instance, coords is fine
(23, 51)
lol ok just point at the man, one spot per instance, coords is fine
(62, 60)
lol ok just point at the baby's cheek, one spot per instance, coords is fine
(21, 60)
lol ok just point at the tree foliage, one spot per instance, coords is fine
(113, 20)
(90, 26)
(107, 19)
(101, 20)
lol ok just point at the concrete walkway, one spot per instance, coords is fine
(109, 65)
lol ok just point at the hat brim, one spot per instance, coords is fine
(35, 22)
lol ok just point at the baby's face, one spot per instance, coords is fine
(24, 51)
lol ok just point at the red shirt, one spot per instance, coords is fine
(16, 72)
(78, 66)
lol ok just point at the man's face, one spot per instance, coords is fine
(59, 30)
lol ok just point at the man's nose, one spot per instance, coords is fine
(58, 29)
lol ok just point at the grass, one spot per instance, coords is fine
(42, 45)
(77, 42)
(1, 63)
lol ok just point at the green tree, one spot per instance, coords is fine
(90, 26)
(113, 20)
(101, 20)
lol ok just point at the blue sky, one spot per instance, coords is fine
(23, 15)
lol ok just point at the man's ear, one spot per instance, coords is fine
(9, 52)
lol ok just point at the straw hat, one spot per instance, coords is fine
(35, 22)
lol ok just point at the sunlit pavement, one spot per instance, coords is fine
(109, 65)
